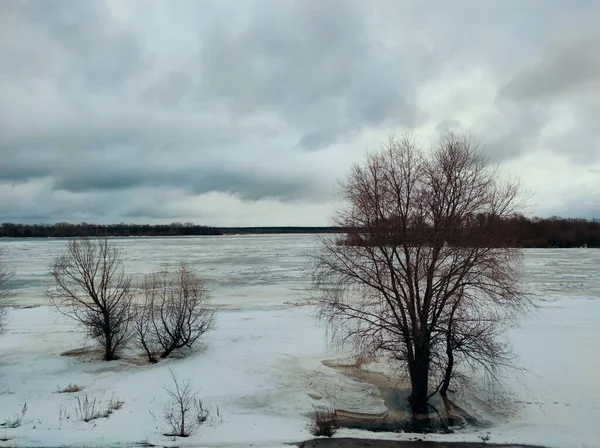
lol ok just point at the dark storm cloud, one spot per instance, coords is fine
(106, 103)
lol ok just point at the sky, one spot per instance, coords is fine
(250, 112)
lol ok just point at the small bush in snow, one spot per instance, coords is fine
(185, 412)
(324, 421)
(485, 437)
(17, 419)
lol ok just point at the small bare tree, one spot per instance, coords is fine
(90, 286)
(174, 312)
(424, 228)
(185, 411)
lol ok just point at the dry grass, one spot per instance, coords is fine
(83, 352)
(324, 421)
(17, 419)
(88, 410)
(70, 389)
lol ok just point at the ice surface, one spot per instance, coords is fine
(262, 366)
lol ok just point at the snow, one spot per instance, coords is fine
(257, 367)
(262, 365)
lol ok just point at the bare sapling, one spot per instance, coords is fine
(185, 411)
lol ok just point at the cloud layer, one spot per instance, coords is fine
(248, 112)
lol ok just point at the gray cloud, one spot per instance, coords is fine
(564, 81)
(569, 66)
(108, 105)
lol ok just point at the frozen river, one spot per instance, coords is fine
(249, 271)
(240, 271)
(263, 364)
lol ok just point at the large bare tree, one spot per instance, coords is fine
(425, 236)
(90, 286)
(175, 311)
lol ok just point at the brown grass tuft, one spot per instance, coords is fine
(70, 389)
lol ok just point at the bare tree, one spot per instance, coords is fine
(175, 311)
(5, 291)
(424, 228)
(185, 411)
(90, 286)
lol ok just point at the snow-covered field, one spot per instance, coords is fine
(262, 365)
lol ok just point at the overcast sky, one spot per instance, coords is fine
(250, 112)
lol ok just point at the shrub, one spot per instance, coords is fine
(324, 421)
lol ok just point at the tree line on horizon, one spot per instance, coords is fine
(527, 232)
(483, 230)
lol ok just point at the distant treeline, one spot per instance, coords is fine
(66, 230)
(273, 230)
(525, 232)
(556, 232)
(487, 231)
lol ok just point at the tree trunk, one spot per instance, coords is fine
(447, 376)
(449, 368)
(109, 354)
(168, 351)
(419, 377)
(449, 354)
(109, 351)
(151, 358)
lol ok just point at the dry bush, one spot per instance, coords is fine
(324, 421)
(175, 312)
(17, 419)
(70, 389)
(88, 410)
